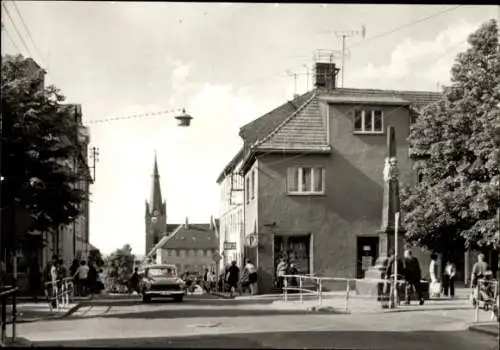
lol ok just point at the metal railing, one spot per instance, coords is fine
(7, 292)
(485, 296)
(303, 284)
(59, 293)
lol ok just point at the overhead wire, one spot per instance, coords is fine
(4, 28)
(15, 28)
(28, 32)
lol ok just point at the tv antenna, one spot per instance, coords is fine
(344, 34)
(294, 75)
(307, 76)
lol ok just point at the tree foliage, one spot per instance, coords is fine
(38, 147)
(119, 267)
(457, 199)
(96, 256)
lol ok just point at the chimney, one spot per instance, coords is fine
(325, 75)
(186, 224)
(212, 226)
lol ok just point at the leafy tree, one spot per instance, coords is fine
(456, 202)
(38, 145)
(119, 266)
(96, 256)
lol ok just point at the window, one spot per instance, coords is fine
(368, 121)
(248, 190)
(201, 253)
(182, 253)
(173, 252)
(307, 180)
(209, 253)
(192, 252)
(253, 184)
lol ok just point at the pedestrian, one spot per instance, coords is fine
(212, 278)
(479, 270)
(233, 277)
(413, 275)
(281, 272)
(252, 276)
(62, 272)
(293, 280)
(82, 272)
(54, 274)
(449, 278)
(35, 278)
(134, 281)
(206, 286)
(92, 278)
(435, 286)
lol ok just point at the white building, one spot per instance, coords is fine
(231, 212)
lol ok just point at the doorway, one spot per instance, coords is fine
(367, 254)
(294, 249)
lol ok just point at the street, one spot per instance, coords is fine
(218, 323)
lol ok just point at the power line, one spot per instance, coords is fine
(135, 116)
(17, 30)
(405, 26)
(28, 31)
(10, 38)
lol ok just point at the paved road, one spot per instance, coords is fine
(225, 324)
(461, 340)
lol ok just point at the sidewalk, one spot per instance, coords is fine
(31, 312)
(490, 328)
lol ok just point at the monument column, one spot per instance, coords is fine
(390, 202)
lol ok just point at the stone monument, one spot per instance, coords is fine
(390, 206)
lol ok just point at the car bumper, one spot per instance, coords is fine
(166, 293)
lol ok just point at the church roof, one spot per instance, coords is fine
(155, 201)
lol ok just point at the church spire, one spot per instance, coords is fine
(156, 202)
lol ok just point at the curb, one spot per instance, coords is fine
(479, 329)
(65, 314)
(222, 296)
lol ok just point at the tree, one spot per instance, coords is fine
(119, 266)
(96, 256)
(38, 144)
(455, 204)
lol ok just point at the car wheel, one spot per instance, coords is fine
(178, 298)
(146, 298)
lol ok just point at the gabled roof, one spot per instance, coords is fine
(194, 236)
(264, 125)
(231, 165)
(303, 130)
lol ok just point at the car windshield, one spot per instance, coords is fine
(161, 272)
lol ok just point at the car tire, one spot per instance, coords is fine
(146, 298)
(178, 298)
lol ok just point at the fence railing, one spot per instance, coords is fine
(313, 285)
(59, 293)
(485, 296)
(7, 292)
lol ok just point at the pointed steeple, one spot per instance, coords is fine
(156, 202)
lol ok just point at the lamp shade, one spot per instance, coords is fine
(184, 119)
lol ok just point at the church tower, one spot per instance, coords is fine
(156, 212)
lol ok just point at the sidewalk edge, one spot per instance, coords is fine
(478, 329)
(65, 314)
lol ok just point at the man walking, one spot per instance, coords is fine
(233, 277)
(82, 272)
(413, 275)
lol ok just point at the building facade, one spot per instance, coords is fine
(192, 248)
(231, 185)
(313, 171)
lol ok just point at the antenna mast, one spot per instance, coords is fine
(347, 34)
(294, 75)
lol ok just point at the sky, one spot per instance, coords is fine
(227, 64)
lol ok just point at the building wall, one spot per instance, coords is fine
(231, 219)
(187, 262)
(351, 206)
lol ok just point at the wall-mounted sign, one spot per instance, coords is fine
(229, 245)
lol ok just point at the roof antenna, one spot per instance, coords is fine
(294, 75)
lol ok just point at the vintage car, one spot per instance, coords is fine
(161, 281)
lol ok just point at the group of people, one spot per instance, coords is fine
(86, 279)
(284, 268)
(235, 283)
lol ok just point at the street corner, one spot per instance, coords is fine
(490, 328)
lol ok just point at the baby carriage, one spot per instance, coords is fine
(486, 293)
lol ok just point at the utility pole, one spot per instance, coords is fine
(344, 34)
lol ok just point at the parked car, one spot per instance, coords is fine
(161, 281)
